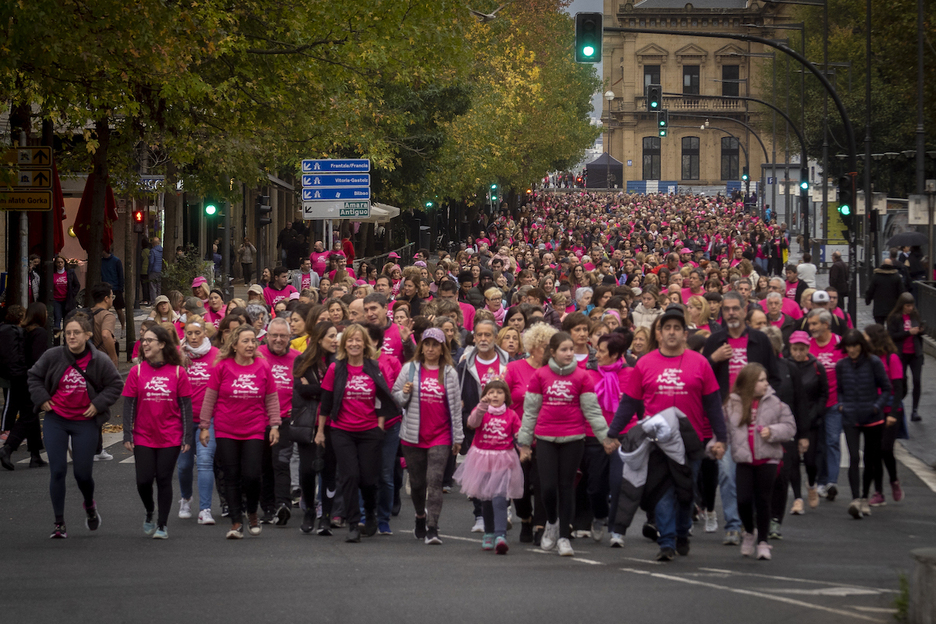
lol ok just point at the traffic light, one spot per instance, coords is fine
(654, 98)
(588, 34)
(846, 197)
(262, 209)
(744, 174)
(428, 204)
(804, 179)
(211, 208)
(664, 122)
(138, 216)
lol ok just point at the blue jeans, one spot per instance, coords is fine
(833, 435)
(729, 496)
(203, 457)
(761, 264)
(391, 443)
(58, 312)
(673, 519)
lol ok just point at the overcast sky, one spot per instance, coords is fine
(583, 6)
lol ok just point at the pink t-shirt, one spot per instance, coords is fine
(596, 376)
(908, 341)
(281, 367)
(497, 432)
(60, 282)
(319, 261)
(487, 372)
(305, 281)
(71, 397)
(240, 412)
(561, 413)
(468, 312)
(390, 368)
(214, 317)
(272, 296)
(791, 288)
(837, 311)
(158, 422)
(828, 356)
(199, 372)
(894, 369)
(392, 343)
(662, 382)
(435, 425)
(348, 269)
(358, 404)
(752, 430)
(738, 357)
(518, 377)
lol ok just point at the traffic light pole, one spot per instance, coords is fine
(824, 81)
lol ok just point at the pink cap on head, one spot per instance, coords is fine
(684, 250)
(799, 337)
(393, 254)
(198, 281)
(293, 295)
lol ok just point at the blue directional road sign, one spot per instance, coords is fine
(331, 194)
(347, 165)
(332, 180)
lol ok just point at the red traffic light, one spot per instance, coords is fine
(138, 216)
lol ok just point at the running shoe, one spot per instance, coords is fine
(283, 515)
(831, 492)
(446, 489)
(149, 526)
(236, 532)
(370, 524)
(308, 523)
(204, 517)
(487, 541)
(897, 491)
(854, 509)
(915, 416)
(268, 517)
(93, 521)
(550, 536)
(774, 531)
(650, 531)
(617, 540)
(711, 521)
(877, 500)
(500, 545)
(763, 551)
(325, 527)
(865, 507)
(666, 554)
(732, 538)
(185, 508)
(5, 453)
(103, 456)
(598, 529)
(59, 532)
(161, 533)
(253, 524)
(478, 525)
(420, 531)
(798, 508)
(822, 491)
(813, 496)
(354, 534)
(383, 528)
(682, 546)
(747, 544)
(432, 536)
(564, 547)
(526, 532)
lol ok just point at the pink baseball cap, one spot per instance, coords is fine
(393, 254)
(799, 337)
(685, 250)
(198, 281)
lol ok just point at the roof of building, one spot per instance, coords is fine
(696, 4)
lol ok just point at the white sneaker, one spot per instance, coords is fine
(103, 456)
(185, 508)
(598, 528)
(565, 548)
(550, 535)
(478, 525)
(822, 491)
(204, 517)
(711, 521)
(617, 540)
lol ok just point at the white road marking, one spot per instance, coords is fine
(755, 594)
(110, 439)
(927, 475)
(875, 609)
(796, 580)
(461, 539)
(827, 591)
(587, 561)
(574, 558)
(650, 561)
(129, 460)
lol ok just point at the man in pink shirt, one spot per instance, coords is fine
(396, 342)
(448, 290)
(789, 307)
(279, 289)
(319, 258)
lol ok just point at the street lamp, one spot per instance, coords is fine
(609, 95)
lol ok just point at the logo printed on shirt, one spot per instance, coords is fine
(431, 389)
(496, 429)
(198, 373)
(244, 384)
(827, 360)
(281, 375)
(669, 381)
(357, 387)
(559, 390)
(157, 385)
(73, 381)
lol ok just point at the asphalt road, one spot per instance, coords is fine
(828, 568)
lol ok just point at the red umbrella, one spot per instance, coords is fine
(82, 225)
(36, 234)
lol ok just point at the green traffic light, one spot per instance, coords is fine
(588, 50)
(662, 132)
(493, 197)
(493, 186)
(845, 210)
(804, 185)
(654, 104)
(428, 204)
(210, 209)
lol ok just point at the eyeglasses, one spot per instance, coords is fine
(149, 340)
(74, 332)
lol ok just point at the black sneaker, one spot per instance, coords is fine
(538, 536)
(5, 453)
(526, 532)
(225, 511)
(308, 522)
(831, 492)
(93, 521)
(296, 496)
(682, 546)
(282, 516)
(650, 531)
(325, 527)
(370, 524)
(915, 417)
(666, 554)
(268, 517)
(354, 534)
(432, 536)
(397, 505)
(420, 531)
(59, 531)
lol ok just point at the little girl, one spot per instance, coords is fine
(758, 423)
(491, 471)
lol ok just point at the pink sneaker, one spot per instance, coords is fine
(763, 551)
(897, 491)
(877, 500)
(747, 544)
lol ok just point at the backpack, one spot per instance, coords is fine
(12, 345)
(97, 339)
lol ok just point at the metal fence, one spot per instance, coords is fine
(926, 304)
(405, 252)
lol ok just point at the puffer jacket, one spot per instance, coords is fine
(859, 383)
(409, 401)
(895, 328)
(885, 287)
(815, 385)
(644, 317)
(772, 413)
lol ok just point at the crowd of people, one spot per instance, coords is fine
(584, 357)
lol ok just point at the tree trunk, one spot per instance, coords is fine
(173, 212)
(98, 206)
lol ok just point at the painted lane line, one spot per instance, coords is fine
(926, 474)
(129, 460)
(755, 594)
(539, 551)
(650, 561)
(798, 580)
(875, 609)
(461, 539)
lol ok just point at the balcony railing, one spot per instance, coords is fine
(688, 103)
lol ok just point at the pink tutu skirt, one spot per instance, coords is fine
(487, 474)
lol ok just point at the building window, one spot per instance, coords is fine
(651, 158)
(690, 77)
(690, 158)
(729, 159)
(651, 76)
(730, 75)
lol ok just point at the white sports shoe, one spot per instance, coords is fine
(598, 528)
(204, 517)
(103, 456)
(550, 535)
(185, 508)
(478, 525)
(711, 521)
(565, 548)
(617, 540)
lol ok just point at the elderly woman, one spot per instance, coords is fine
(494, 301)
(583, 299)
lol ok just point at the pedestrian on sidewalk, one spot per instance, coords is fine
(157, 413)
(811, 448)
(906, 330)
(894, 424)
(75, 385)
(112, 272)
(885, 288)
(246, 253)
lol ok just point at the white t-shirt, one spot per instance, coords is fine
(807, 272)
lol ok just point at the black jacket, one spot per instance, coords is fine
(858, 384)
(885, 287)
(103, 389)
(791, 393)
(759, 350)
(331, 401)
(898, 335)
(838, 278)
(815, 390)
(838, 326)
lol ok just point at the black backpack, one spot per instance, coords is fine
(12, 346)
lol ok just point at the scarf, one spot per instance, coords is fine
(560, 370)
(497, 411)
(199, 351)
(608, 388)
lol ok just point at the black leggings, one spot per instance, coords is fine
(558, 464)
(155, 464)
(913, 361)
(426, 468)
(872, 457)
(18, 401)
(276, 484)
(888, 437)
(754, 485)
(596, 466)
(242, 461)
(707, 483)
(83, 435)
(810, 460)
(359, 455)
(778, 499)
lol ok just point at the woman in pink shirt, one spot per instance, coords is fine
(559, 406)
(157, 416)
(241, 400)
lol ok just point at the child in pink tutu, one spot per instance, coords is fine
(491, 471)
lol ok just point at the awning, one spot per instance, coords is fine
(381, 213)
